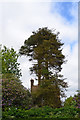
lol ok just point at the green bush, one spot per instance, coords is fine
(73, 101)
(70, 102)
(42, 112)
(14, 93)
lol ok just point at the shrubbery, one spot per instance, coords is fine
(42, 112)
(70, 102)
(14, 93)
(73, 101)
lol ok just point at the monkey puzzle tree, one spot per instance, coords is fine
(45, 48)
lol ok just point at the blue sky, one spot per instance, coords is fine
(64, 9)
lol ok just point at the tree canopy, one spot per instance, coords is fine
(9, 62)
(45, 49)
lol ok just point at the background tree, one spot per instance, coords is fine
(73, 101)
(45, 48)
(69, 102)
(9, 62)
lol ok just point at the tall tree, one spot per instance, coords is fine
(44, 47)
(9, 62)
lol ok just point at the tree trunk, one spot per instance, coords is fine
(39, 72)
(47, 75)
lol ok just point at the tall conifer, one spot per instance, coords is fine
(44, 47)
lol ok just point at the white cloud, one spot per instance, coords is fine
(30, 1)
(70, 69)
(18, 20)
(25, 65)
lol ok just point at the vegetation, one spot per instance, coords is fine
(70, 111)
(9, 62)
(73, 101)
(44, 47)
(13, 92)
(70, 102)
(41, 112)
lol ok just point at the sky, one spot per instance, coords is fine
(19, 19)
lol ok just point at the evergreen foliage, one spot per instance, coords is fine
(44, 47)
